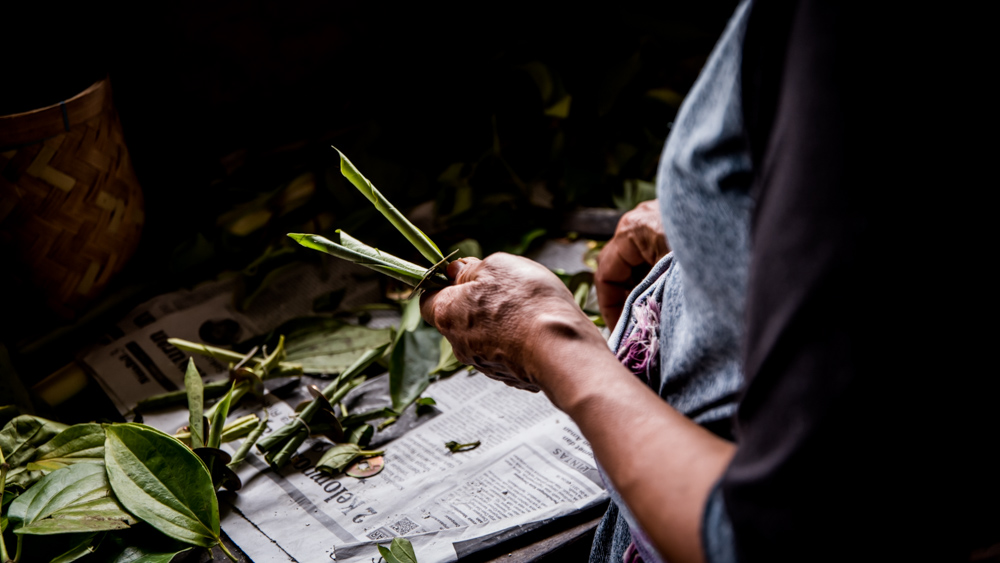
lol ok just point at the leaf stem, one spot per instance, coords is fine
(283, 368)
(211, 390)
(241, 453)
(222, 546)
(372, 258)
(416, 237)
(3, 487)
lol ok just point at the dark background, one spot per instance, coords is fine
(224, 103)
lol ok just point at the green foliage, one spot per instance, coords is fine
(447, 362)
(138, 545)
(252, 438)
(20, 440)
(280, 445)
(79, 443)
(85, 545)
(417, 238)
(322, 345)
(73, 499)
(400, 550)
(340, 456)
(162, 482)
(370, 257)
(218, 421)
(196, 404)
(416, 353)
(361, 435)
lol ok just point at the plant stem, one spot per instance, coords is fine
(3, 487)
(238, 392)
(370, 257)
(231, 431)
(222, 546)
(211, 390)
(283, 368)
(244, 449)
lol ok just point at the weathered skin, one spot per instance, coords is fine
(638, 244)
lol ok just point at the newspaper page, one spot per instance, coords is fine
(532, 464)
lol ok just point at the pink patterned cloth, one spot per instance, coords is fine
(639, 351)
(632, 554)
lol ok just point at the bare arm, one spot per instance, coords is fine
(516, 322)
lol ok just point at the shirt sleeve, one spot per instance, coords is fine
(863, 429)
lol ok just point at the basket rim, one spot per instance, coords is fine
(34, 126)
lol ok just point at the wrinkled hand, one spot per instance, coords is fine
(638, 244)
(501, 315)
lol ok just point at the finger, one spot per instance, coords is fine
(612, 264)
(463, 269)
(460, 271)
(439, 307)
(427, 306)
(651, 245)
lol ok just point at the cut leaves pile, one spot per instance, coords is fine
(79, 486)
(147, 495)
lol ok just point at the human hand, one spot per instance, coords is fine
(503, 314)
(638, 244)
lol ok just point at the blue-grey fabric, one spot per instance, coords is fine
(717, 530)
(704, 191)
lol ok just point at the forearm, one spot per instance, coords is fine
(662, 464)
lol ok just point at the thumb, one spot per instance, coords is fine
(460, 270)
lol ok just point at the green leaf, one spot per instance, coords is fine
(226, 356)
(417, 238)
(560, 109)
(387, 555)
(347, 241)
(372, 258)
(522, 246)
(80, 443)
(413, 357)
(373, 414)
(218, 421)
(93, 516)
(402, 549)
(72, 499)
(331, 346)
(361, 435)
(86, 545)
(195, 389)
(19, 440)
(45, 466)
(447, 362)
(410, 319)
(340, 456)
(162, 482)
(255, 435)
(138, 545)
(469, 247)
(212, 390)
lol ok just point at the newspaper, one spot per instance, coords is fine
(532, 464)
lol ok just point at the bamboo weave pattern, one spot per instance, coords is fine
(71, 208)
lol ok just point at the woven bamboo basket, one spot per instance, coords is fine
(71, 209)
